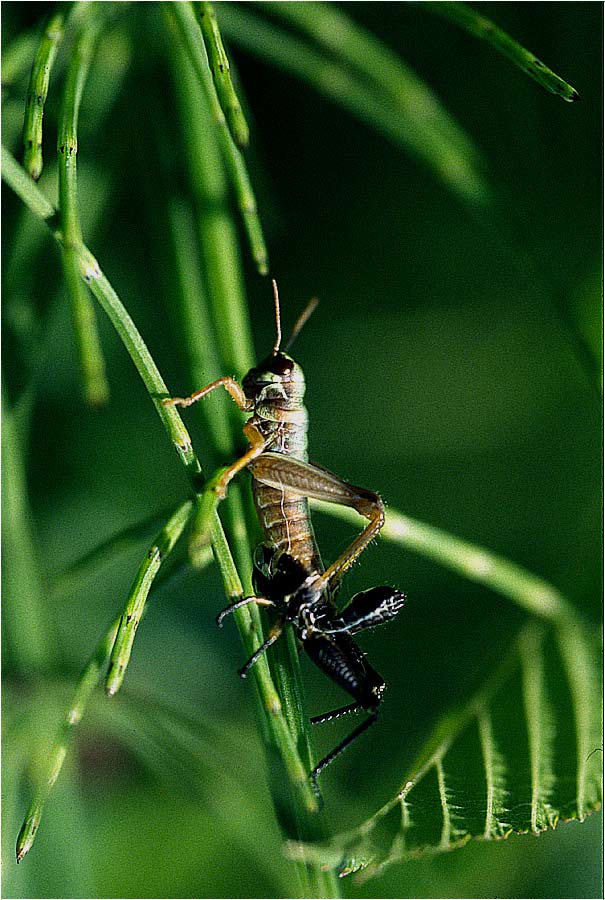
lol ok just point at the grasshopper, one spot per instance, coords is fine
(288, 571)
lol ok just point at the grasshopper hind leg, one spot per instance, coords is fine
(346, 742)
(339, 657)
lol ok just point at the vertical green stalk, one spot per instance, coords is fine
(160, 549)
(483, 28)
(222, 271)
(220, 257)
(219, 64)
(23, 592)
(182, 16)
(92, 364)
(37, 93)
(52, 764)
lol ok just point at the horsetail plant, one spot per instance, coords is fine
(92, 275)
(86, 333)
(480, 26)
(159, 550)
(37, 94)
(219, 64)
(109, 300)
(183, 16)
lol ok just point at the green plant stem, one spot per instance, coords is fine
(285, 729)
(196, 333)
(23, 590)
(37, 93)
(415, 121)
(158, 552)
(90, 271)
(226, 327)
(219, 64)
(91, 676)
(20, 182)
(183, 17)
(46, 777)
(532, 593)
(481, 27)
(92, 364)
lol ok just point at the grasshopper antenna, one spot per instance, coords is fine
(277, 317)
(302, 320)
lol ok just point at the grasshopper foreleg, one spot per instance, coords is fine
(230, 385)
(215, 488)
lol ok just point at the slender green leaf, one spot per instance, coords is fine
(182, 15)
(16, 176)
(221, 75)
(37, 94)
(92, 364)
(481, 27)
(157, 553)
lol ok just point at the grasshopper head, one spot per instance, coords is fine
(275, 378)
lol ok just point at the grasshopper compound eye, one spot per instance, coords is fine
(280, 364)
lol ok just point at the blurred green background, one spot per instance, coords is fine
(448, 366)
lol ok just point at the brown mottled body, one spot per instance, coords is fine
(281, 419)
(286, 524)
